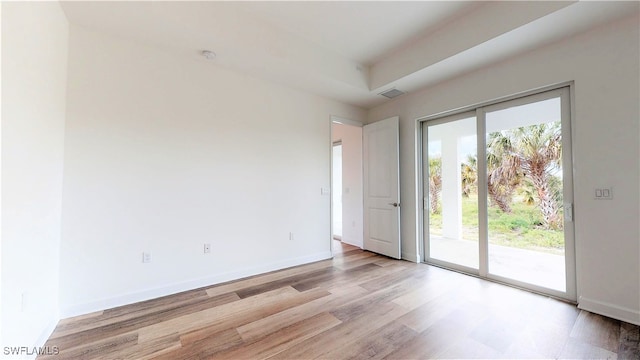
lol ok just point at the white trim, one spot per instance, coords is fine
(130, 298)
(339, 120)
(348, 243)
(422, 213)
(40, 341)
(610, 310)
(454, 267)
(45, 335)
(483, 202)
(568, 191)
(537, 289)
(415, 258)
(525, 100)
(331, 122)
(420, 155)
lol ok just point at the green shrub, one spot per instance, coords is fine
(522, 228)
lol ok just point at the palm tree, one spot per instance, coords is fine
(469, 171)
(435, 183)
(527, 192)
(538, 149)
(503, 170)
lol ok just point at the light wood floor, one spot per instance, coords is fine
(358, 305)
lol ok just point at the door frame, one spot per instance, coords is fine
(480, 109)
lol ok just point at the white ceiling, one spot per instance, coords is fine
(361, 31)
(349, 51)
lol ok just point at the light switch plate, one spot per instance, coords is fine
(603, 193)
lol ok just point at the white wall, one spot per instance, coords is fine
(165, 153)
(352, 182)
(34, 71)
(604, 65)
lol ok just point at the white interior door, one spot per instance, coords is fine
(381, 187)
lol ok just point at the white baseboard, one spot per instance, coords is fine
(346, 241)
(46, 333)
(126, 299)
(611, 310)
(410, 257)
(32, 351)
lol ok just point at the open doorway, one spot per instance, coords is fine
(346, 182)
(336, 185)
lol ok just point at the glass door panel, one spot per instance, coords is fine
(498, 194)
(451, 196)
(524, 168)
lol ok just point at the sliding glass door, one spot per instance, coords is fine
(452, 206)
(498, 192)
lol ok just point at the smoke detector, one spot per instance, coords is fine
(208, 54)
(391, 93)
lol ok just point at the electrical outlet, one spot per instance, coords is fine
(207, 248)
(146, 257)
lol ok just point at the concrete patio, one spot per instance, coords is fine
(534, 267)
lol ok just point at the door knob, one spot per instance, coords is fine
(395, 204)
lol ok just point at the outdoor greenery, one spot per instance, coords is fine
(435, 183)
(523, 186)
(520, 228)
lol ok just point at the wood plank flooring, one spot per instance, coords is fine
(357, 306)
